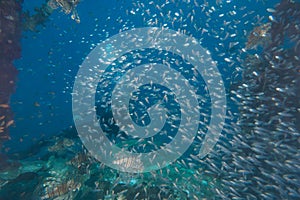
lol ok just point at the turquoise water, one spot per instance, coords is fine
(256, 155)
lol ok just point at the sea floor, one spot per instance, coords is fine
(61, 168)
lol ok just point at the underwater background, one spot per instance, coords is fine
(256, 47)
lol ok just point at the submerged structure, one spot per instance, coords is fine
(10, 35)
(41, 15)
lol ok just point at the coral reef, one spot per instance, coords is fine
(62, 170)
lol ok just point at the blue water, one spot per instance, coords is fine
(51, 57)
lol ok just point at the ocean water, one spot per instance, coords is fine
(158, 99)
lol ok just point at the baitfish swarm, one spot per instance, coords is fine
(264, 161)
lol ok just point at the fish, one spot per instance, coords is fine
(59, 190)
(258, 36)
